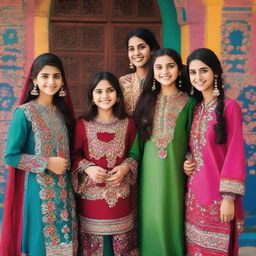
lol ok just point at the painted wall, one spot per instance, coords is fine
(226, 26)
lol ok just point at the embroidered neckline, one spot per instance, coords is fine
(112, 149)
(167, 111)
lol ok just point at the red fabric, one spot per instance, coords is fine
(99, 209)
(11, 234)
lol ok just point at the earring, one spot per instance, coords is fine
(192, 90)
(62, 93)
(180, 82)
(154, 85)
(34, 91)
(215, 92)
(131, 66)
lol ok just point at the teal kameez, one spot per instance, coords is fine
(49, 223)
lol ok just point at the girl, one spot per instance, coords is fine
(39, 217)
(217, 164)
(102, 173)
(163, 115)
(140, 44)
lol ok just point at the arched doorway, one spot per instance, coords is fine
(90, 35)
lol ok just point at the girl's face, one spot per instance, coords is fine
(104, 95)
(138, 52)
(201, 76)
(166, 70)
(49, 81)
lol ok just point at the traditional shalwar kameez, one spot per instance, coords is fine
(105, 212)
(162, 180)
(220, 169)
(45, 203)
(132, 88)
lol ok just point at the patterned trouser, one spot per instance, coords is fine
(123, 244)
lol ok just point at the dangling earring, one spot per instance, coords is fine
(215, 92)
(131, 66)
(192, 90)
(62, 93)
(34, 91)
(154, 85)
(180, 82)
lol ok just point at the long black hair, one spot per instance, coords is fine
(208, 57)
(49, 59)
(145, 108)
(118, 108)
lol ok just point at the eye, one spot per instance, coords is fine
(192, 72)
(130, 49)
(141, 47)
(171, 65)
(158, 67)
(98, 91)
(57, 76)
(204, 70)
(111, 89)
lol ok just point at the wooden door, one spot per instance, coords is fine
(89, 37)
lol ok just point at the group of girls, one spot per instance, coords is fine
(166, 122)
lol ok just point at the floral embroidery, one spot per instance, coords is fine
(107, 193)
(122, 244)
(202, 117)
(106, 227)
(131, 176)
(132, 88)
(51, 139)
(232, 186)
(167, 111)
(31, 163)
(204, 230)
(112, 149)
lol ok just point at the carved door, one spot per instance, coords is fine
(89, 37)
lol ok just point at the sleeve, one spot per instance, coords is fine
(191, 107)
(233, 170)
(134, 155)
(17, 140)
(79, 178)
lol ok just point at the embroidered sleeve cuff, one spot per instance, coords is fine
(232, 186)
(83, 164)
(32, 163)
(229, 197)
(133, 167)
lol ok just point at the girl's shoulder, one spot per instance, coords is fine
(128, 78)
(231, 106)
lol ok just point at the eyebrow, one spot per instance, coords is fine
(137, 45)
(49, 73)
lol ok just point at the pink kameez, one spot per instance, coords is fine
(220, 169)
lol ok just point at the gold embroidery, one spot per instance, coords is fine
(131, 89)
(167, 111)
(202, 117)
(112, 149)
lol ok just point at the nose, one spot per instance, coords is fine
(198, 76)
(136, 51)
(51, 80)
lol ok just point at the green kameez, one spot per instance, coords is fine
(162, 180)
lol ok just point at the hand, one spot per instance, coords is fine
(117, 175)
(57, 165)
(189, 167)
(227, 210)
(96, 173)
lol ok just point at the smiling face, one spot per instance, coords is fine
(166, 70)
(201, 76)
(104, 96)
(49, 81)
(138, 52)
